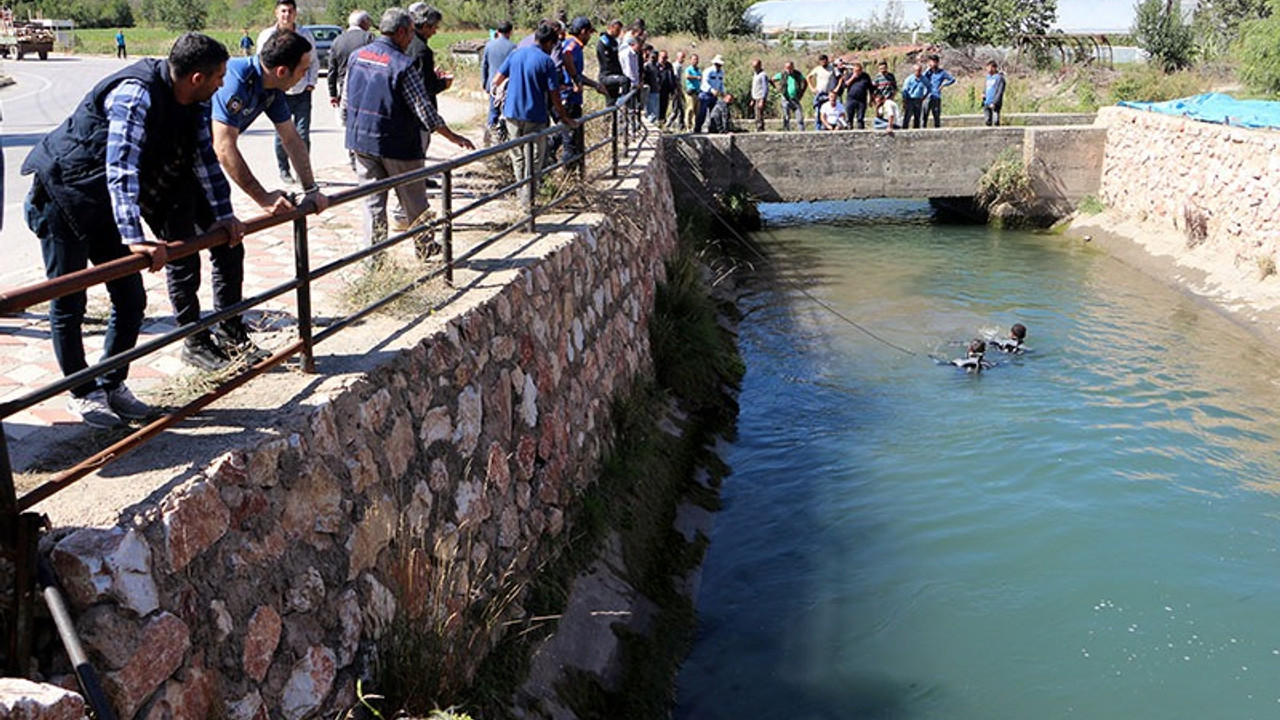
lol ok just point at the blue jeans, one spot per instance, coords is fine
(706, 101)
(64, 252)
(300, 108)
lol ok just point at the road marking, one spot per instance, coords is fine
(47, 84)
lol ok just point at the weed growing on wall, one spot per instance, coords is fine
(1090, 205)
(1005, 181)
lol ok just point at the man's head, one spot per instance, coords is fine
(286, 14)
(613, 29)
(882, 67)
(359, 19)
(992, 67)
(680, 56)
(789, 67)
(718, 61)
(285, 59)
(857, 68)
(757, 65)
(693, 59)
(546, 36)
(426, 19)
(504, 28)
(581, 28)
(823, 60)
(197, 64)
(727, 98)
(918, 69)
(662, 57)
(934, 61)
(1018, 331)
(397, 25)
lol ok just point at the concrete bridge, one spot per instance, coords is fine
(1064, 162)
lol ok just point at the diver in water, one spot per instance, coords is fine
(973, 362)
(1014, 345)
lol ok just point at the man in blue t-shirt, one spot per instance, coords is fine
(935, 78)
(531, 78)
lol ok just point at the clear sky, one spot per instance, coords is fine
(1074, 16)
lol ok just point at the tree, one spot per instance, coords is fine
(182, 14)
(1259, 54)
(990, 22)
(1217, 22)
(1159, 29)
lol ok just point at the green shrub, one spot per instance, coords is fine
(1147, 84)
(1160, 30)
(1259, 53)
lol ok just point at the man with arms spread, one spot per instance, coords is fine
(387, 108)
(254, 85)
(299, 95)
(137, 148)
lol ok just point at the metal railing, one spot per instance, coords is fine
(20, 528)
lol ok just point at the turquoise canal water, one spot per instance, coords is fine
(1089, 531)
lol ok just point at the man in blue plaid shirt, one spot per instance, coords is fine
(137, 148)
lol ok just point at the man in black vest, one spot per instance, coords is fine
(137, 148)
(387, 107)
(426, 23)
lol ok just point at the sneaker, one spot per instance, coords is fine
(200, 350)
(94, 409)
(432, 184)
(127, 405)
(286, 177)
(426, 249)
(232, 339)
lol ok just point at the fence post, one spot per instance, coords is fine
(302, 269)
(446, 207)
(614, 161)
(531, 175)
(9, 548)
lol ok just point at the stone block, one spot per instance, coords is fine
(470, 415)
(95, 564)
(261, 638)
(378, 606)
(399, 447)
(498, 469)
(161, 647)
(249, 707)
(350, 624)
(194, 519)
(436, 426)
(372, 535)
(25, 700)
(314, 504)
(306, 592)
(192, 698)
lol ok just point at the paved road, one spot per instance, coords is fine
(45, 94)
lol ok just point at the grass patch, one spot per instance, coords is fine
(1091, 205)
(383, 277)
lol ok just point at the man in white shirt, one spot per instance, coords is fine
(759, 92)
(298, 96)
(822, 81)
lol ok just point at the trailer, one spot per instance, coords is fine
(21, 38)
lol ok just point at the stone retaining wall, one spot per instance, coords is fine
(1214, 183)
(259, 589)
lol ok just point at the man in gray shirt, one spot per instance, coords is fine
(495, 52)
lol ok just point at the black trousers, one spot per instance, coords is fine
(182, 276)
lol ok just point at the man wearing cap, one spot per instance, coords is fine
(387, 108)
(298, 96)
(531, 78)
(253, 85)
(495, 53)
(572, 81)
(712, 88)
(356, 36)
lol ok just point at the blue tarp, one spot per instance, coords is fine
(1218, 108)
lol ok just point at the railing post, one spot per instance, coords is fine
(25, 530)
(531, 175)
(446, 207)
(614, 161)
(9, 548)
(302, 268)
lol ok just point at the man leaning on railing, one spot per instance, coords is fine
(137, 148)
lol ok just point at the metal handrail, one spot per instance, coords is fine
(16, 540)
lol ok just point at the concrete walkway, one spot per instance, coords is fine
(26, 353)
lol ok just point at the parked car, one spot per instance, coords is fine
(324, 35)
